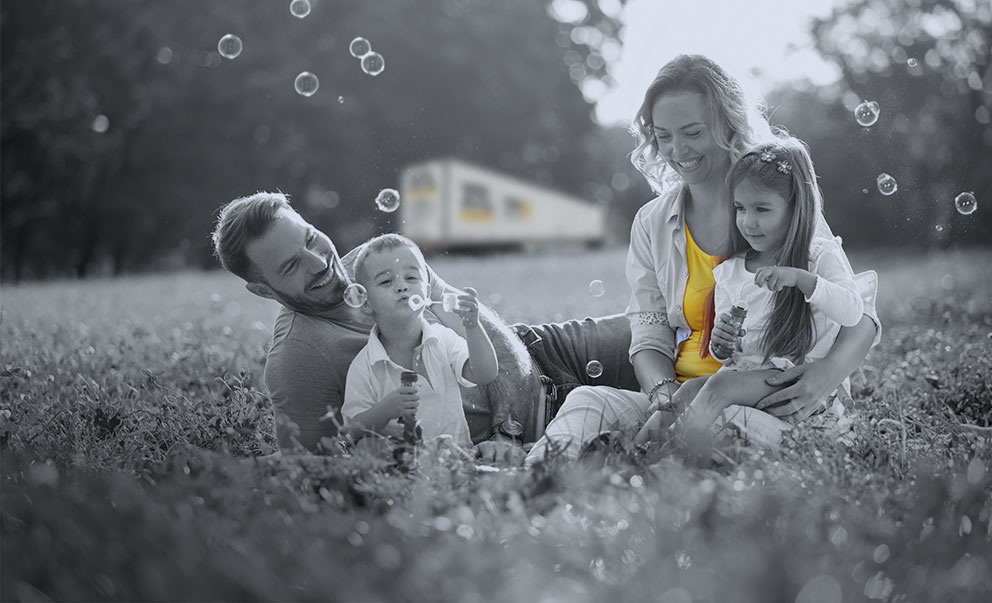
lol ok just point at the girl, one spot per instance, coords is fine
(795, 282)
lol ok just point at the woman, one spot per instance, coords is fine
(694, 124)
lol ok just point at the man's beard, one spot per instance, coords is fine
(304, 305)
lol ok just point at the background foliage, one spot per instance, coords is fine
(497, 83)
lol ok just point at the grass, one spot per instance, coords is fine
(131, 423)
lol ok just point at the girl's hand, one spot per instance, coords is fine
(776, 278)
(401, 402)
(725, 333)
(468, 308)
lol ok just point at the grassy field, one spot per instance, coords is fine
(130, 411)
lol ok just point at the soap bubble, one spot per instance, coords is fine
(101, 124)
(594, 368)
(939, 228)
(866, 114)
(355, 295)
(966, 204)
(373, 63)
(340, 99)
(229, 46)
(388, 200)
(416, 302)
(911, 62)
(299, 8)
(359, 47)
(886, 184)
(306, 84)
(596, 288)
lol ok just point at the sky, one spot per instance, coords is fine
(741, 35)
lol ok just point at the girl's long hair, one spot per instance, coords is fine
(762, 167)
(735, 117)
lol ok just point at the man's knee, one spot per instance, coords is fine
(584, 396)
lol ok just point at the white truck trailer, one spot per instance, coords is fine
(447, 203)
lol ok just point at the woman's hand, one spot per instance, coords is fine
(810, 384)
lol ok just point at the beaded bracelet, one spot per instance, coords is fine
(658, 385)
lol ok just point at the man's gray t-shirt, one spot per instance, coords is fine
(305, 373)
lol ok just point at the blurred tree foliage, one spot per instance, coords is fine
(927, 64)
(123, 130)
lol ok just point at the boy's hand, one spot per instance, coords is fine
(401, 402)
(776, 278)
(725, 333)
(468, 308)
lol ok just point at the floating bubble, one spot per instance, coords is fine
(299, 8)
(415, 302)
(306, 84)
(939, 228)
(886, 184)
(359, 47)
(388, 200)
(866, 114)
(912, 62)
(864, 190)
(101, 124)
(596, 288)
(373, 63)
(355, 295)
(340, 99)
(594, 368)
(965, 202)
(230, 46)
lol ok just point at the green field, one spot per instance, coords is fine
(130, 409)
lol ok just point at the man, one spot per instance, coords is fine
(263, 240)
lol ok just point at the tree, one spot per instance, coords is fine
(926, 62)
(183, 130)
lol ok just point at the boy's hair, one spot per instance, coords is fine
(240, 222)
(386, 242)
(736, 120)
(784, 168)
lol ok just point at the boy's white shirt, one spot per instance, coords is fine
(372, 375)
(836, 301)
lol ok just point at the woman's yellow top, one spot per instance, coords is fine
(688, 364)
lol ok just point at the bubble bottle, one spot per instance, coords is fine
(412, 433)
(737, 315)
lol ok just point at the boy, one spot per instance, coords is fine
(392, 270)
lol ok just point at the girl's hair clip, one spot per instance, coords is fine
(784, 167)
(767, 156)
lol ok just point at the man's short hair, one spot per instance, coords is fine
(386, 242)
(240, 222)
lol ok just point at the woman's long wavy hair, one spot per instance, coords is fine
(736, 119)
(792, 336)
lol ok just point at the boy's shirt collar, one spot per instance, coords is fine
(377, 352)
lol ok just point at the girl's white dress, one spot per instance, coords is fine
(836, 302)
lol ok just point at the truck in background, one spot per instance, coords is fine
(448, 203)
